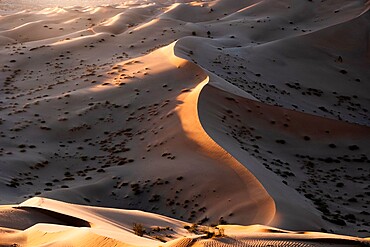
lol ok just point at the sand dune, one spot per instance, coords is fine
(106, 222)
(109, 227)
(211, 112)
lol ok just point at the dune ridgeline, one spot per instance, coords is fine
(179, 123)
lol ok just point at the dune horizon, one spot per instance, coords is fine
(184, 123)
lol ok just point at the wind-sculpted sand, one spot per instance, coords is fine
(226, 120)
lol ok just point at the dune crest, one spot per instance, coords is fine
(149, 123)
(108, 228)
(260, 206)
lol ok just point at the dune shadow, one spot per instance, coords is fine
(30, 216)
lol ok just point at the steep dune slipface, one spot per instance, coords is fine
(259, 206)
(272, 144)
(180, 109)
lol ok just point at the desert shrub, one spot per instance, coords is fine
(160, 238)
(193, 228)
(138, 229)
(281, 141)
(209, 234)
(340, 185)
(220, 232)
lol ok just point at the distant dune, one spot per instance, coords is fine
(179, 123)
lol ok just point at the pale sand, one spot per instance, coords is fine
(238, 112)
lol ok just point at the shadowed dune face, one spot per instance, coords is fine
(213, 112)
(21, 218)
(272, 144)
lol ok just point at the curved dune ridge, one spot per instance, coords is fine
(213, 112)
(110, 227)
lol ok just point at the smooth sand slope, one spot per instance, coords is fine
(111, 227)
(217, 112)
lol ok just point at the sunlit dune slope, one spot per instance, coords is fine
(208, 112)
(138, 168)
(113, 227)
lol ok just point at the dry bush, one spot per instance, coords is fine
(138, 229)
